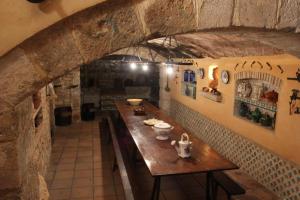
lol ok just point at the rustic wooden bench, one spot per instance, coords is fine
(119, 161)
(240, 186)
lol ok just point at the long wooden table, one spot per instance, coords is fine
(160, 157)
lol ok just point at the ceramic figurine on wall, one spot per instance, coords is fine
(243, 109)
(293, 102)
(271, 96)
(265, 120)
(244, 89)
(257, 91)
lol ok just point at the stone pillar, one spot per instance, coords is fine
(67, 89)
(75, 96)
(164, 96)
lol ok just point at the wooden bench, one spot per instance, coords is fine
(240, 186)
(119, 161)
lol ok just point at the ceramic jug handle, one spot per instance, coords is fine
(186, 136)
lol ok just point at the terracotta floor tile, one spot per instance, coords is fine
(103, 172)
(84, 159)
(174, 195)
(107, 198)
(99, 181)
(101, 191)
(82, 182)
(64, 174)
(61, 184)
(67, 160)
(83, 166)
(83, 192)
(67, 166)
(81, 154)
(102, 165)
(83, 173)
(60, 194)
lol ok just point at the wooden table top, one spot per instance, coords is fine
(160, 156)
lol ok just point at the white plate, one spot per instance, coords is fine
(152, 122)
(162, 125)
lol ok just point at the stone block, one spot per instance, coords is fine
(255, 13)
(9, 179)
(8, 156)
(43, 190)
(165, 17)
(8, 126)
(288, 14)
(214, 13)
(105, 28)
(53, 50)
(20, 77)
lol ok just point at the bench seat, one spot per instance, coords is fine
(254, 190)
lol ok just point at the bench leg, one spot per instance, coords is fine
(228, 196)
(156, 189)
(214, 190)
(209, 186)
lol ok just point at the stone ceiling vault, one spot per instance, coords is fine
(107, 27)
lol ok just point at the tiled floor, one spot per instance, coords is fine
(81, 169)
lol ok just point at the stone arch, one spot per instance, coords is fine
(110, 26)
(113, 25)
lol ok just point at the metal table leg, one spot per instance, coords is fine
(156, 189)
(209, 186)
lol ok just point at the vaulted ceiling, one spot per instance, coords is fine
(216, 44)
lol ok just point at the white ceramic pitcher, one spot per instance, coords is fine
(184, 146)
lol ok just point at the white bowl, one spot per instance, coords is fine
(134, 102)
(162, 133)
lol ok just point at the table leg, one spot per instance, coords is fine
(209, 186)
(156, 189)
(115, 165)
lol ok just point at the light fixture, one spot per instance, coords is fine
(133, 66)
(169, 69)
(145, 67)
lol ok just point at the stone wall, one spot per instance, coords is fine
(107, 27)
(277, 174)
(67, 89)
(24, 158)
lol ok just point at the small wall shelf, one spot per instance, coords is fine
(211, 96)
(256, 99)
(261, 104)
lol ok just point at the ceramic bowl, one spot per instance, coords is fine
(134, 102)
(162, 130)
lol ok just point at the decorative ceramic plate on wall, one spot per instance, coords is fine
(225, 76)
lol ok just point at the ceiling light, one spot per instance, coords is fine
(169, 69)
(133, 66)
(145, 67)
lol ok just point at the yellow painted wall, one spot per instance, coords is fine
(285, 139)
(20, 19)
